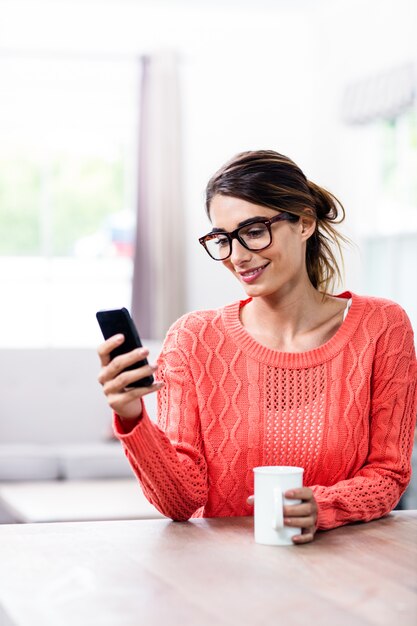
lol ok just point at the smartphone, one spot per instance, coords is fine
(117, 321)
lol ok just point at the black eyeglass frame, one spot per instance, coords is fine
(234, 234)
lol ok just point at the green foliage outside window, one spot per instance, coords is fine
(46, 207)
(398, 167)
(20, 184)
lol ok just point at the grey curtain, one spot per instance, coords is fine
(158, 291)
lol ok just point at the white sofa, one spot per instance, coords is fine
(54, 420)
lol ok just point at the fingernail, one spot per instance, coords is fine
(119, 338)
(290, 494)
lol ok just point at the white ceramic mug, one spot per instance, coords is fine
(271, 482)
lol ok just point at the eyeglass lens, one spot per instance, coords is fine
(254, 237)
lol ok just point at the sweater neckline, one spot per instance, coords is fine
(276, 358)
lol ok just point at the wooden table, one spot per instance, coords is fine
(206, 572)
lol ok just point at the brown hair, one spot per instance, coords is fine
(273, 180)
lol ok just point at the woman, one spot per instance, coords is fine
(292, 375)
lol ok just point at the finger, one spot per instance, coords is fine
(105, 348)
(125, 380)
(251, 500)
(302, 493)
(121, 362)
(299, 510)
(156, 386)
(133, 393)
(300, 522)
(304, 538)
(118, 401)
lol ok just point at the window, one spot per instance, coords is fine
(383, 108)
(390, 248)
(68, 130)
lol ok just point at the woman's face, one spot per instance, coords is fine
(274, 271)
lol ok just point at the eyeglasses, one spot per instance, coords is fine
(255, 235)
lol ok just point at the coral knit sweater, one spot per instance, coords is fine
(345, 412)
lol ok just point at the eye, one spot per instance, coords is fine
(220, 241)
(255, 231)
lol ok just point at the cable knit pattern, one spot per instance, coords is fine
(345, 412)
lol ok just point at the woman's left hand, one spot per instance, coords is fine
(302, 515)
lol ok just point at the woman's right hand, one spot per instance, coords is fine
(125, 402)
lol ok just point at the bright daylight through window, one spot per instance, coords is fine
(67, 192)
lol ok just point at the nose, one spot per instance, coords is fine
(240, 254)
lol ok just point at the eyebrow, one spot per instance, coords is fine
(250, 220)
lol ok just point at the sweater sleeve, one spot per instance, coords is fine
(167, 457)
(377, 487)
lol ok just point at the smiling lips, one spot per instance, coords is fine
(251, 275)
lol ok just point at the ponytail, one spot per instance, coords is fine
(322, 265)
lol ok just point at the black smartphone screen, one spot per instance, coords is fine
(117, 321)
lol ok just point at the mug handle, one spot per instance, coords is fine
(278, 520)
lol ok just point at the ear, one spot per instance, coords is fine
(307, 225)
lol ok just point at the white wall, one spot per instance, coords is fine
(265, 74)
(251, 89)
(247, 76)
(286, 93)
(356, 39)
